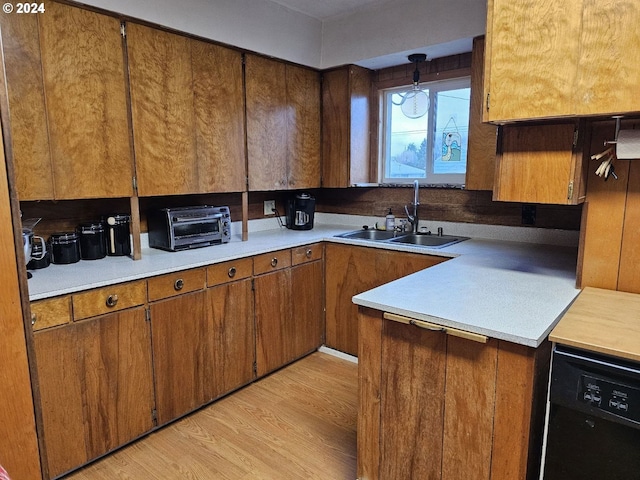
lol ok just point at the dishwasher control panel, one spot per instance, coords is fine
(613, 397)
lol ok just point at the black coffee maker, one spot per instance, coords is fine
(300, 211)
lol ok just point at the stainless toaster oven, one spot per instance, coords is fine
(188, 227)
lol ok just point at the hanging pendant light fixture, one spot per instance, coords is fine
(415, 103)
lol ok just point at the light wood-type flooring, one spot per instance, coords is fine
(297, 423)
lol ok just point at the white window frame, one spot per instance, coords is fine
(456, 180)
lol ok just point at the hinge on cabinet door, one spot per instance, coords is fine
(246, 181)
(123, 30)
(255, 369)
(134, 182)
(154, 416)
(575, 137)
(488, 101)
(253, 285)
(147, 314)
(570, 191)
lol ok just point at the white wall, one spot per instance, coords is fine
(369, 37)
(434, 27)
(256, 25)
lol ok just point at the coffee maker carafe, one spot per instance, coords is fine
(300, 211)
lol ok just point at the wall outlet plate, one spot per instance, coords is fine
(269, 207)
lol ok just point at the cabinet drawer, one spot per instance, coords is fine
(270, 262)
(229, 271)
(177, 283)
(50, 312)
(109, 299)
(308, 253)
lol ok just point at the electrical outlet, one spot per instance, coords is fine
(269, 207)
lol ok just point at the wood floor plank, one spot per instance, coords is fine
(298, 423)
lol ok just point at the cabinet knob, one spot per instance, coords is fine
(34, 319)
(309, 253)
(179, 283)
(112, 301)
(232, 272)
(274, 261)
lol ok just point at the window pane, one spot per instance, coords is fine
(451, 131)
(407, 137)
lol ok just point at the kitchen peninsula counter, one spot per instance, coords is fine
(508, 290)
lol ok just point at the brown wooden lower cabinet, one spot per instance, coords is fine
(352, 270)
(230, 317)
(435, 406)
(288, 312)
(180, 333)
(95, 380)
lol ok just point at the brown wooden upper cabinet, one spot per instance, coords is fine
(561, 58)
(188, 113)
(346, 108)
(68, 104)
(542, 164)
(283, 125)
(481, 154)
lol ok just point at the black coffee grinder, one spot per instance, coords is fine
(300, 211)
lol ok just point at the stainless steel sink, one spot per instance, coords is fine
(368, 235)
(425, 240)
(417, 239)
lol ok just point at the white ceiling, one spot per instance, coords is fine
(325, 9)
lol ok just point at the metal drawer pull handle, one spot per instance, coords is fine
(274, 262)
(427, 326)
(112, 301)
(454, 332)
(34, 319)
(309, 253)
(232, 272)
(178, 284)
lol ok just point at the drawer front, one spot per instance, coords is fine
(177, 283)
(308, 253)
(269, 262)
(229, 271)
(51, 312)
(109, 299)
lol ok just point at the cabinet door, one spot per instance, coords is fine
(59, 363)
(85, 85)
(345, 126)
(273, 317)
(96, 386)
(307, 301)
(230, 314)
(540, 164)
(265, 82)
(481, 156)
(609, 63)
(532, 55)
(25, 89)
(303, 127)
(180, 335)
(117, 384)
(352, 270)
(412, 402)
(162, 109)
(219, 118)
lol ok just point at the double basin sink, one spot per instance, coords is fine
(417, 239)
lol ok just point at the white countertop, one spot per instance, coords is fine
(510, 290)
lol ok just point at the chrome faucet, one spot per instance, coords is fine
(413, 219)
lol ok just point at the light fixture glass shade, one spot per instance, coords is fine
(415, 104)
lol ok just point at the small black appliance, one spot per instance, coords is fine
(300, 212)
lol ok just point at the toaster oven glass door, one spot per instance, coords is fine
(197, 229)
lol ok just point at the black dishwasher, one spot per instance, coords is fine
(594, 417)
